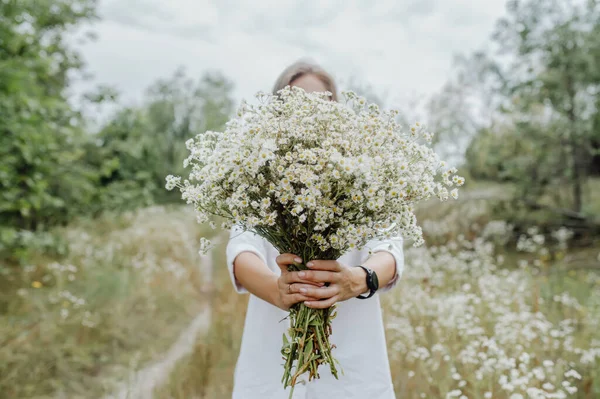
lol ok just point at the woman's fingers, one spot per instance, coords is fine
(300, 287)
(320, 292)
(283, 260)
(323, 304)
(312, 290)
(319, 276)
(311, 277)
(295, 298)
(327, 265)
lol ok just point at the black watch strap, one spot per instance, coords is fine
(371, 284)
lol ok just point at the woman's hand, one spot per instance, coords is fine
(344, 283)
(327, 282)
(292, 288)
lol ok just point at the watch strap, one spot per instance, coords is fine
(368, 276)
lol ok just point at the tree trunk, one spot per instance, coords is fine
(576, 153)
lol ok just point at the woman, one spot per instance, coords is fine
(256, 267)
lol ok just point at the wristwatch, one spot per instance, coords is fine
(372, 282)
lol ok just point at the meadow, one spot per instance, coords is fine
(74, 325)
(470, 318)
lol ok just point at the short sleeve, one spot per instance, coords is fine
(394, 246)
(242, 241)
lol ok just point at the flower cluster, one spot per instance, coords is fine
(315, 178)
(330, 175)
(465, 324)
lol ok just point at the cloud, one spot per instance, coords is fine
(398, 47)
(183, 18)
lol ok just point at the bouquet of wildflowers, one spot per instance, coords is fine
(315, 178)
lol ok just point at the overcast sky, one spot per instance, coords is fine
(403, 47)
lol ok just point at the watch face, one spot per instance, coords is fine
(374, 281)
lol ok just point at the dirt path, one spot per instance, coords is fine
(142, 383)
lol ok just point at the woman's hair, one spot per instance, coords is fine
(304, 67)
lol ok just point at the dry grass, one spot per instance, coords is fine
(139, 278)
(432, 324)
(73, 327)
(208, 371)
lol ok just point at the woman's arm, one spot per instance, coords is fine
(393, 247)
(384, 265)
(255, 276)
(282, 291)
(246, 261)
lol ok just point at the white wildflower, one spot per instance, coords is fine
(574, 374)
(204, 245)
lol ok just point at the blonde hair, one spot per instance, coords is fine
(305, 67)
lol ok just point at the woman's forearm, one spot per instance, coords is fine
(256, 277)
(384, 264)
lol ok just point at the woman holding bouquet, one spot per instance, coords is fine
(351, 282)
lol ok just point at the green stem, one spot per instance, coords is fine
(297, 361)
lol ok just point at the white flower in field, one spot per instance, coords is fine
(571, 389)
(454, 394)
(411, 374)
(204, 245)
(548, 387)
(507, 334)
(573, 373)
(524, 357)
(508, 387)
(516, 396)
(487, 395)
(454, 193)
(539, 239)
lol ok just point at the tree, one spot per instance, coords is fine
(138, 148)
(179, 108)
(554, 65)
(465, 106)
(41, 179)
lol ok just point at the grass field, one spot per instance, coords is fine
(127, 287)
(458, 321)
(469, 319)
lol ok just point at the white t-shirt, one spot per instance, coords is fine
(357, 333)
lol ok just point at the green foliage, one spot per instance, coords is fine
(548, 89)
(525, 154)
(124, 156)
(42, 180)
(137, 148)
(52, 169)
